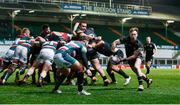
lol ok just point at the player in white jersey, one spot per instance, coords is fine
(64, 60)
(20, 55)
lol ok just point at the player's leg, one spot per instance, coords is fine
(144, 77)
(80, 77)
(8, 72)
(30, 72)
(32, 61)
(60, 78)
(23, 60)
(4, 66)
(45, 70)
(64, 60)
(54, 71)
(122, 73)
(47, 58)
(135, 65)
(148, 64)
(70, 78)
(96, 65)
(111, 73)
(12, 67)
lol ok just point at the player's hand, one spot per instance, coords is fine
(89, 46)
(98, 38)
(88, 72)
(113, 48)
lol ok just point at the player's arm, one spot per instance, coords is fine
(85, 37)
(85, 60)
(155, 49)
(75, 28)
(114, 44)
(136, 54)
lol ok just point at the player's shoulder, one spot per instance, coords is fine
(152, 43)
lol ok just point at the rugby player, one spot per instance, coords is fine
(20, 55)
(80, 30)
(6, 60)
(149, 49)
(64, 60)
(133, 48)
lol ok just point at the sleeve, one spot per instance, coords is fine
(75, 26)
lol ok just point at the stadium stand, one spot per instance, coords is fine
(109, 33)
(105, 23)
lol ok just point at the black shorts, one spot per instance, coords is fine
(91, 54)
(105, 49)
(149, 58)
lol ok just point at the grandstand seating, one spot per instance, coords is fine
(109, 33)
(170, 35)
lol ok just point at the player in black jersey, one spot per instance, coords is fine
(82, 33)
(134, 50)
(149, 50)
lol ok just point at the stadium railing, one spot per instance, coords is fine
(85, 3)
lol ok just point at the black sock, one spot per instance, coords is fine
(111, 74)
(104, 77)
(121, 72)
(34, 77)
(140, 80)
(145, 79)
(59, 81)
(54, 75)
(148, 69)
(1, 70)
(112, 77)
(47, 78)
(8, 74)
(94, 72)
(22, 70)
(70, 76)
(80, 80)
(3, 75)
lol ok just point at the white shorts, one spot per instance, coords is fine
(46, 55)
(21, 54)
(9, 55)
(63, 60)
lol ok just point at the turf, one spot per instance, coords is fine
(165, 90)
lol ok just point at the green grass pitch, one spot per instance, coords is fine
(164, 90)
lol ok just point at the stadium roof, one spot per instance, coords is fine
(52, 12)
